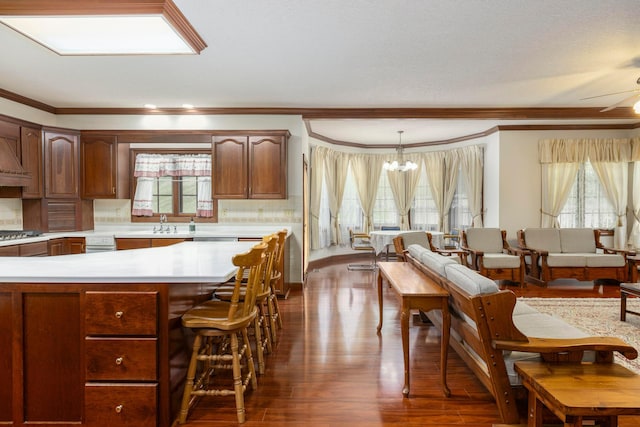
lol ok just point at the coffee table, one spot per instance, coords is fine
(627, 289)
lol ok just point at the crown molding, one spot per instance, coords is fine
(491, 130)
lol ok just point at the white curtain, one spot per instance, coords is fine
(367, 169)
(403, 186)
(451, 171)
(336, 169)
(634, 236)
(150, 166)
(315, 194)
(434, 168)
(143, 199)
(472, 171)
(204, 206)
(560, 159)
(614, 178)
(557, 179)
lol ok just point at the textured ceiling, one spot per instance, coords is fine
(359, 54)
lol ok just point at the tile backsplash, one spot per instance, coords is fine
(118, 211)
(10, 214)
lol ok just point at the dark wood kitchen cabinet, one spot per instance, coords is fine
(61, 164)
(31, 150)
(98, 155)
(252, 165)
(66, 246)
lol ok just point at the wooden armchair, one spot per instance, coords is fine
(490, 254)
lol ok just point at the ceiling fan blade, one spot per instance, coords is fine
(617, 104)
(609, 94)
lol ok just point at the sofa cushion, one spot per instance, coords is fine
(546, 239)
(567, 260)
(577, 240)
(416, 250)
(605, 260)
(523, 308)
(414, 238)
(469, 280)
(487, 240)
(500, 261)
(437, 262)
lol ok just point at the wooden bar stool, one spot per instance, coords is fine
(218, 324)
(262, 325)
(277, 276)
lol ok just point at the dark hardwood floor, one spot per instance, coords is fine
(330, 368)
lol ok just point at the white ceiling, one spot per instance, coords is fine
(359, 54)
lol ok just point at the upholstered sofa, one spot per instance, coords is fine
(491, 330)
(570, 253)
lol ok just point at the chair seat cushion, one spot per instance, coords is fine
(500, 261)
(605, 260)
(567, 260)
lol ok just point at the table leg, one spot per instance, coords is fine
(623, 306)
(404, 328)
(380, 300)
(444, 349)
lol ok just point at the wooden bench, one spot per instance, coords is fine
(483, 332)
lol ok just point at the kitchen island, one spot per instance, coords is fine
(96, 339)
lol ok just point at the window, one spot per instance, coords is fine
(459, 214)
(424, 213)
(186, 190)
(587, 205)
(174, 184)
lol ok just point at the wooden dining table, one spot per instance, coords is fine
(415, 291)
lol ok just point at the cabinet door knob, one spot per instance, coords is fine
(119, 360)
(118, 409)
(119, 314)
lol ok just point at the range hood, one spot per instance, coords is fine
(12, 174)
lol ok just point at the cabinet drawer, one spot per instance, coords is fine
(116, 405)
(121, 313)
(121, 359)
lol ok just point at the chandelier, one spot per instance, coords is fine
(400, 164)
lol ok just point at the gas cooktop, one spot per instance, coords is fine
(18, 234)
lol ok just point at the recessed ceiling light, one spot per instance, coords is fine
(187, 106)
(116, 27)
(150, 106)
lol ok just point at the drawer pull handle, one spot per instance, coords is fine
(119, 360)
(118, 409)
(119, 314)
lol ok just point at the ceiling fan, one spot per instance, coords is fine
(622, 102)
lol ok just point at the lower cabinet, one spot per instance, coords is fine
(96, 354)
(123, 243)
(126, 405)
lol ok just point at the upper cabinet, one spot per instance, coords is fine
(31, 148)
(61, 160)
(250, 166)
(98, 166)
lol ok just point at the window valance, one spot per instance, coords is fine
(157, 165)
(582, 150)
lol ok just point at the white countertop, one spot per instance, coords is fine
(226, 231)
(188, 262)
